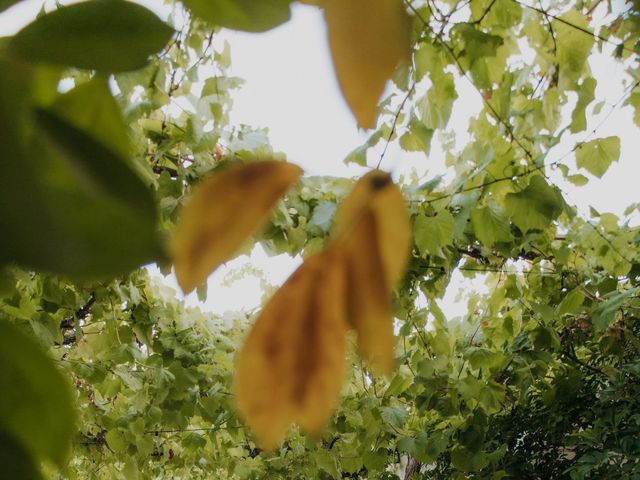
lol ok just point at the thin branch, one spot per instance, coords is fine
(576, 27)
(394, 123)
(464, 73)
(485, 13)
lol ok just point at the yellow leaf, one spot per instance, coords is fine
(376, 193)
(291, 366)
(224, 211)
(368, 38)
(369, 303)
(372, 226)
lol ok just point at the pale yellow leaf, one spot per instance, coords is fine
(367, 38)
(373, 229)
(224, 211)
(291, 366)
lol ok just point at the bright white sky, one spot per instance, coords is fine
(291, 89)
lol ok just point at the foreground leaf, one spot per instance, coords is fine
(106, 35)
(248, 15)
(369, 296)
(373, 227)
(68, 203)
(291, 366)
(4, 4)
(368, 38)
(15, 460)
(36, 405)
(224, 212)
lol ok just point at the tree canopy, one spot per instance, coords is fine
(117, 152)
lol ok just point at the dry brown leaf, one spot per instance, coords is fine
(372, 226)
(224, 211)
(291, 367)
(368, 38)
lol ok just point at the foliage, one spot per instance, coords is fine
(538, 380)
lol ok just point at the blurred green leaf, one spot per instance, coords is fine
(15, 462)
(67, 203)
(4, 4)
(106, 35)
(249, 15)
(36, 405)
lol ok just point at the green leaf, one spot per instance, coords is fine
(67, 203)
(36, 405)
(322, 216)
(394, 416)
(634, 101)
(586, 94)
(435, 107)
(535, 207)
(358, 156)
(417, 138)
(90, 107)
(432, 234)
(106, 35)
(477, 43)
(578, 180)
(597, 155)
(573, 44)
(4, 4)
(16, 462)
(116, 440)
(248, 15)
(327, 462)
(571, 302)
(490, 226)
(604, 314)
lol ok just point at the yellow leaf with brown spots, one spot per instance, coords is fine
(373, 229)
(367, 38)
(224, 211)
(291, 366)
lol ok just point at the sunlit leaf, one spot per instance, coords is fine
(597, 155)
(368, 38)
(107, 35)
(291, 366)
(373, 227)
(225, 210)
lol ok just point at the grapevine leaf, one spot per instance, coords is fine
(597, 155)
(536, 206)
